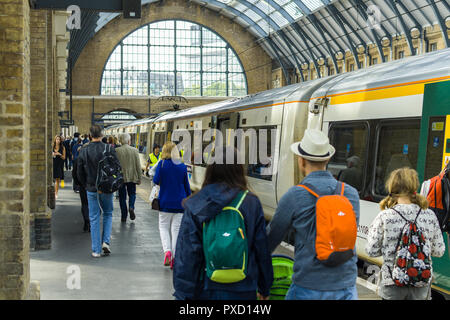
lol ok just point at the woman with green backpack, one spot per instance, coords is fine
(222, 251)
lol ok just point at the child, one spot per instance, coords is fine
(402, 203)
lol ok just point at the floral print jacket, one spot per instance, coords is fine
(385, 231)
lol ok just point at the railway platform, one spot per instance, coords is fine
(134, 270)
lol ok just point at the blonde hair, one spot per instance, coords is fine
(170, 151)
(403, 182)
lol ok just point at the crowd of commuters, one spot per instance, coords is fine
(185, 220)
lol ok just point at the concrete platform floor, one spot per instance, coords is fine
(133, 271)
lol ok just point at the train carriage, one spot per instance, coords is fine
(380, 118)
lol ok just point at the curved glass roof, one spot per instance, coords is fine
(299, 32)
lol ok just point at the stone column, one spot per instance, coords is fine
(14, 148)
(50, 104)
(40, 212)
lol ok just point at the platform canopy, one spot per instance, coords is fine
(298, 32)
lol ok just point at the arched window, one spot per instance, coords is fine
(173, 57)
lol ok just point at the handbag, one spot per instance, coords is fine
(155, 194)
(155, 204)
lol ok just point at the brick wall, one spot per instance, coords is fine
(39, 146)
(14, 148)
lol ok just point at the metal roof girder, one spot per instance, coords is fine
(318, 25)
(441, 21)
(283, 47)
(311, 53)
(403, 25)
(274, 48)
(299, 67)
(350, 42)
(260, 13)
(239, 14)
(359, 5)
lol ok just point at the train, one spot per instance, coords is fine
(380, 118)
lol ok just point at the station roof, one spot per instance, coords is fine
(297, 33)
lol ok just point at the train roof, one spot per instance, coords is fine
(298, 92)
(430, 66)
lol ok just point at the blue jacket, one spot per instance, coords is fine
(189, 277)
(174, 185)
(296, 209)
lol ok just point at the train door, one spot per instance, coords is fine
(434, 154)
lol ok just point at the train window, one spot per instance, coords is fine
(160, 139)
(349, 161)
(263, 168)
(143, 142)
(398, 144)
(133, 140)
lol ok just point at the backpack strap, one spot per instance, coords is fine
(237, 201)
(401, 215)
(340, 188)
(310, 189)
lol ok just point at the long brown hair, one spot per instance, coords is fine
(232, 174)
(403, 182)
(60, 143)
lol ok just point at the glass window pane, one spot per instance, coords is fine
(237, 86)
(111, 83)
(188, 34)
(214, 59)
(138, 55)
(293, 10)
(162, 58)
(214, 84)
(263, 168)
(162, 84)
(135, 83)
(138, 37)
(348, 163)
(188, 59)
(397, 148)
(188, 84)
(135, 57)
(212, 40)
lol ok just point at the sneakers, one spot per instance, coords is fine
(96, 255)
(106, 249)
(168, 258)
(132, 215)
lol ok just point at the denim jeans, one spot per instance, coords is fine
(299, 293)
(99, 202)
(129, 187)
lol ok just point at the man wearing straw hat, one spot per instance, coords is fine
(296, 210)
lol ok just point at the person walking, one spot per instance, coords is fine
(313, 278)
(59, 155)
(88, 162)
(405, 216)
(132, 175)
(171, 176)
(224, 185)
(83, 197)
(68, 160)
(75, 151)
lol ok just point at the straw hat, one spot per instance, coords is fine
(315, 146)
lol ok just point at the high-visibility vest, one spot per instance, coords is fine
(154, 159)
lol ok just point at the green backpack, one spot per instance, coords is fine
(225, 244)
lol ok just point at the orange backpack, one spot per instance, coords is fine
(335, 226)
(437, 199)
